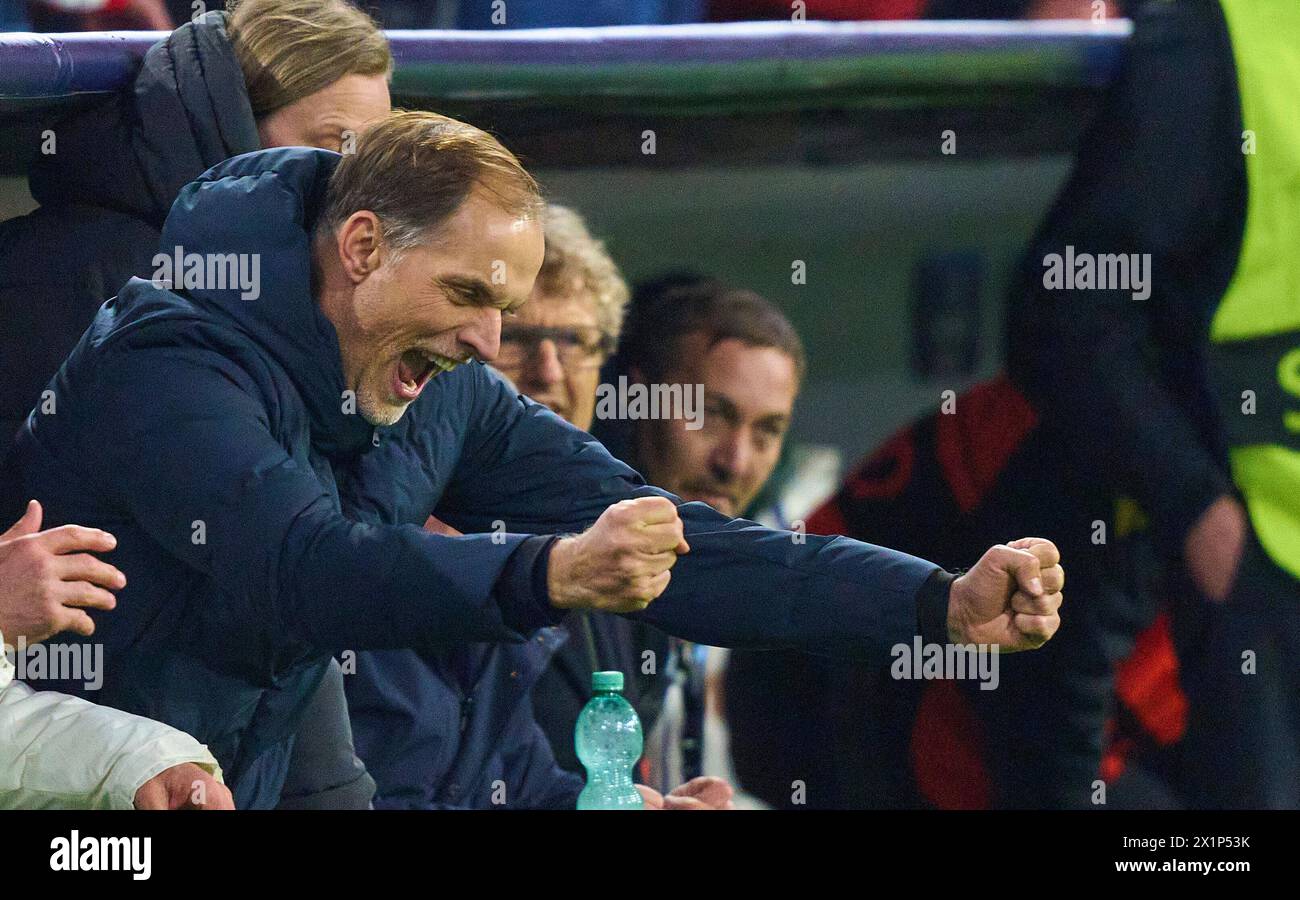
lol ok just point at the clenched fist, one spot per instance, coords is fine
(1011, 598)
(48, 579)
(622, 562)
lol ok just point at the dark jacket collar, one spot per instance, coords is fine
(187, 110)
(266, 203)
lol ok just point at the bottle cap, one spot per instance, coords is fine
(607, 681)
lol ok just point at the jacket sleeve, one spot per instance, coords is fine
(1085, 358)
(742, 585)
(197, 466)
(61, 752)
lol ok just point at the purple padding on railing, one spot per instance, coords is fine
(740, 41)
(55, 65)
(52, 65)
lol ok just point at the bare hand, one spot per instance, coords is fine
(1214, 546)
(705, 792)
(622, 562)
(48, 578)
(1011, 597)
(187, 786)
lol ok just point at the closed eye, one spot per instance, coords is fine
(474, 292)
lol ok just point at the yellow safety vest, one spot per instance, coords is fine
(1255, 332)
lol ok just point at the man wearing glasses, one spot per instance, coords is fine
(553, 351)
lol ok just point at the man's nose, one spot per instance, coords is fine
(730, 454)
(483, 335)
(545, 367)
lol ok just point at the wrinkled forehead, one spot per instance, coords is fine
(549, 309)
(482, 230)
(481, 242)
(759, 381)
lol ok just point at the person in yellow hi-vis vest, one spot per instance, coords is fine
(1157, 327)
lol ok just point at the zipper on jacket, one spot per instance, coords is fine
(466, 707)
(590, 636)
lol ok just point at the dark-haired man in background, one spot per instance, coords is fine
(688, 330)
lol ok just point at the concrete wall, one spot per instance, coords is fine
(860, 231)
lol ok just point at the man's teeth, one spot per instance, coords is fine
(441, 362)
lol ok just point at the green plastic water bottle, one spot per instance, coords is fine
(608, 741)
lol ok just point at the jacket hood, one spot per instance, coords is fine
(255, 214)
(186, 111)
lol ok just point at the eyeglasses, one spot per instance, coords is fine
(577, 348)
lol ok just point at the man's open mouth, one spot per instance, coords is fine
(415, 368)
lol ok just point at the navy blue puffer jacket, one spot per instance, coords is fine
(207, 432)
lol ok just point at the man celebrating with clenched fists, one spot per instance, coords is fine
(267, 465)
(1010, 599)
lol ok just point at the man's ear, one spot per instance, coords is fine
(635, 375)
(360, 245)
